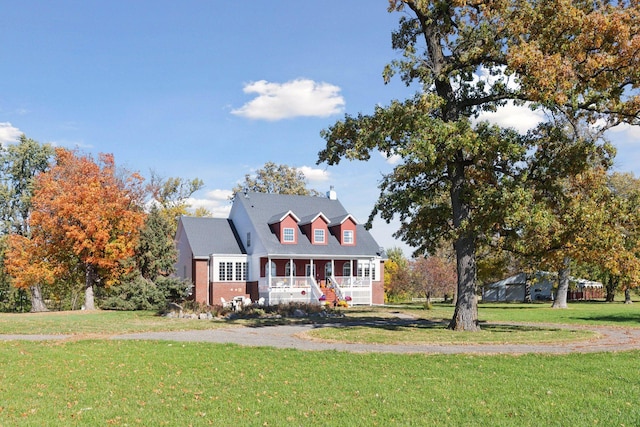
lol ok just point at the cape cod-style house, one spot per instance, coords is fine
(281, 248)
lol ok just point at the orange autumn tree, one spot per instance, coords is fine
(85, 222)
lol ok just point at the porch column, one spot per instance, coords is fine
(371, 272)
(268, 267)
(292, 267)
(333, 267)
(351, 272)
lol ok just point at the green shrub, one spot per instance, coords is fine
(139, 293)
(136, 294)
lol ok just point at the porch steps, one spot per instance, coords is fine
(331, 296)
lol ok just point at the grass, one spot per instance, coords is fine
(437, 333)
(432, 327)
(96, 322)
(584, 313)
(578, 313)
(102, 382)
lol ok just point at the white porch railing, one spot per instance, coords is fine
(282, 290)
(358, 289)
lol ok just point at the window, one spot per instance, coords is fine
(318, 235)
(241, 271)
(346, 269)
(225, 271)
(287, 269)
(270, 267)
(328, 270)
(310, 270)
(347, 237)
(248, 239)
(368, 270)
(288, 235)
(228, 271)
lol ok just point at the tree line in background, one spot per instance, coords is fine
(74, 229)
(72, 226)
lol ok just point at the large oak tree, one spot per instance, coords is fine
(579, 60)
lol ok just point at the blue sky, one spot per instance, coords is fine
(210, 89)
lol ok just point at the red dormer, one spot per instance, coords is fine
(344, 228)
(285, 227)
(316, 229)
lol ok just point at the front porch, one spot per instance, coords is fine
(352, 282)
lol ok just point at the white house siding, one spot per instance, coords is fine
(243, 225)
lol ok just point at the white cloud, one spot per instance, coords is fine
(521, 118)
(631, 134)
(393, 159)
(219, 195)
(314, 174)
(8, 133)
(215, 201)
(296, 98)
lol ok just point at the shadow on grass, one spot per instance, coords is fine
(404, 324)
(626, 319)
(530, 306)
(394, 324)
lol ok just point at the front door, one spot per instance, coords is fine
(310, 270)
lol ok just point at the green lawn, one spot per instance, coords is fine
(584, 313)
(101, 382)
(96, 322)
(494, 319)
(417, 333)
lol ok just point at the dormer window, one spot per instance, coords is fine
(344, 228)
(315, 228)
(288, 235)
(285, 226)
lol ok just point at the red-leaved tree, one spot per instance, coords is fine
(435, 275)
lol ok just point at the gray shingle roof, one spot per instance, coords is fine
(208, 236)
(262, 208)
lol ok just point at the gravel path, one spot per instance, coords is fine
(294, 336)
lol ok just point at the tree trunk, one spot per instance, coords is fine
(465, 316)
(427, 303)
(527, 289)
(627, 296)
(88, 288)
(563, 285)
(37, 302)
(612, 285)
